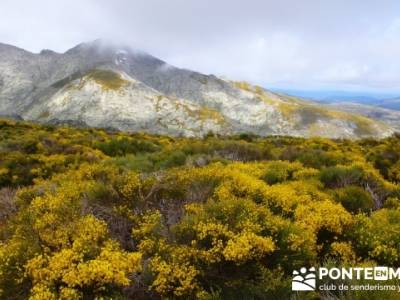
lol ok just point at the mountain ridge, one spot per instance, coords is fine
(104, 85)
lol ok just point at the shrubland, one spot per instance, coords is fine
(91, 214)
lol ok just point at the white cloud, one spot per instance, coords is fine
(310, 43)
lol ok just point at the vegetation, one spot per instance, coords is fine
(107, 79)
(90, 214)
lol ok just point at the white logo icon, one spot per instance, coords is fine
(304, 280)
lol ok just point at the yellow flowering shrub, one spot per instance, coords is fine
(92, 262)
(129, 186)
(324, 214)
(248, 246)
(174, 278)
(344, 252)
(92, 214)
(377, 236)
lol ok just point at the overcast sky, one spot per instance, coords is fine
(299, 44)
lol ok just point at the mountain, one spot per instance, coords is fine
(385, 103)
(392, 103)
(368, 100)
(334, 96)
(99, 84)
(385, 115)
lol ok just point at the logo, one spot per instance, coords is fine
(381, 273)
(371, 278)
(305, 280)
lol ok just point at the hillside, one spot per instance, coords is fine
(92, 214)
(385, 115)
(99, 84)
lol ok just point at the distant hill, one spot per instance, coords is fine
(390, 103)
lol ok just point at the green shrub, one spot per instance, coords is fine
(172, 159)
(279, 171)
(355, 199)
(140, 162)
(340, 176)
(123, 146)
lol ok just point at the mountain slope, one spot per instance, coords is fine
(103, 85)
(388, 116)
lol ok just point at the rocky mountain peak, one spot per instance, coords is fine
(103, 84)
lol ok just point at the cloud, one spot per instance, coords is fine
(310, 43)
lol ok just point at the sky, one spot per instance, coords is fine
(288, 44)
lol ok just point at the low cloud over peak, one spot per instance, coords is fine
(313, 44)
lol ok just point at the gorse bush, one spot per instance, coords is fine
(340, 176)
(90, 214)
(123, 146)
(355, 199)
